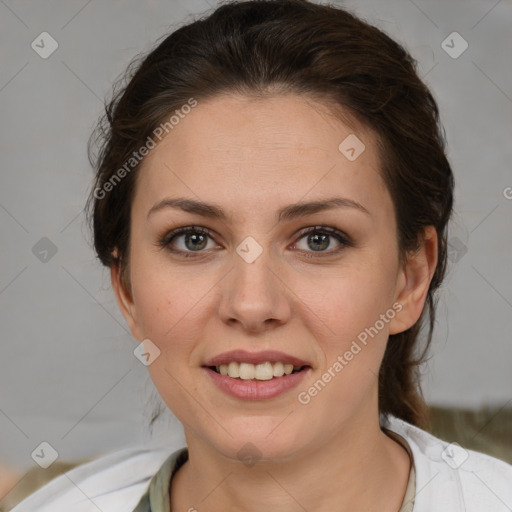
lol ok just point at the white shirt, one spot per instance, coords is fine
(448, 479)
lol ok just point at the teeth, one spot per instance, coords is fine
(278, 369)
(248, 371)
(233, 370)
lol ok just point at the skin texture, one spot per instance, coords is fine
(252, 156)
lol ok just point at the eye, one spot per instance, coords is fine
(319, 238)
(189, 239)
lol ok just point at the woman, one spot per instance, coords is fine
(272, 198)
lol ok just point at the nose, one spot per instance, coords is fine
(253, 296)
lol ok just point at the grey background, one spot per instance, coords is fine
(68, 373)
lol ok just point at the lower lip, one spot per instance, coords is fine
(256, 389)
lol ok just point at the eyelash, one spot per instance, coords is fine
(342, 238)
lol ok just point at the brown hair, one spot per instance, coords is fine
(262, 46)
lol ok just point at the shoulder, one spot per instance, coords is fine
(450, 477)
(111, 483)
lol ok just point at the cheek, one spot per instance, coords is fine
(356, 309)
(168, 310)
(350, 300)
(354, 347)
(172, 304)
(159, 298)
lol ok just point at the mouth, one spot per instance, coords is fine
(256, 375)
(257, 372)
(260, 366)
(262, 381)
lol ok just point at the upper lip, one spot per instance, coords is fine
(242, 356)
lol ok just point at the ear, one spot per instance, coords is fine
(413, 282)
(125, 301)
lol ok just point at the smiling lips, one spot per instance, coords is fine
(263, 365)
(253, 376)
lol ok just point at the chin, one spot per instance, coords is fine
(252, 440)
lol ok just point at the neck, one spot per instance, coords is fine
(359, 468)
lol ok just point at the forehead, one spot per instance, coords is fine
(261, 150)
(238, 125)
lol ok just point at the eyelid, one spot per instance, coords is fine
(328, 231)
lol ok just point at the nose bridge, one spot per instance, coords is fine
(254, 294)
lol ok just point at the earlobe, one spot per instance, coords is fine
(124, 300)
(413, 282)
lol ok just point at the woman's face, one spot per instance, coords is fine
(258, 281)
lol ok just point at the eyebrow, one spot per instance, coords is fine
(286, 213)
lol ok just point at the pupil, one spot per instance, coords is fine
(317, 236)
(195, 238)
